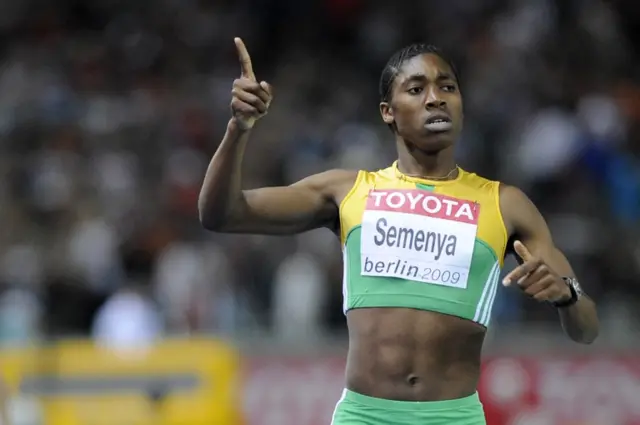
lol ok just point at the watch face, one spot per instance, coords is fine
(576, 286)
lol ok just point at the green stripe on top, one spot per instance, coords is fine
(473, 303)
(428, 187)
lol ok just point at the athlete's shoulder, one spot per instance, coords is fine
(339, 174)
(329, 180)
(517, 209)
(476, 180)
(381, 174)
(512, 197)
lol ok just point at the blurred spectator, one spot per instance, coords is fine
(128, 320)
(109, 116)
(299, 296)
(20, 315)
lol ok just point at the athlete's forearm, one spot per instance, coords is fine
(221, 191)
(580, 321)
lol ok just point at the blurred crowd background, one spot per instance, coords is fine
(111, 110)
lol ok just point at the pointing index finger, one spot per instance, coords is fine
(529, 264)
(245, 60)
(522, 251)
(521, 271)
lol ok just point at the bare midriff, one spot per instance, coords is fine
(412, 355)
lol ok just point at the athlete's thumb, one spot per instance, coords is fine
(522, 251)
(267, 87)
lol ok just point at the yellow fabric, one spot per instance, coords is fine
(468, 186)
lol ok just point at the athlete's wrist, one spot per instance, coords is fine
(238, 125)
(573, 293)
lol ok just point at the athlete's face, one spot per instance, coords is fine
(425, 105)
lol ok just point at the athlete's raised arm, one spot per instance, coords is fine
(544, 272)
(224, 207)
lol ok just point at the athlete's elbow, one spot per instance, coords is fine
(591, 334)
(207, 221)
(210, 218)
(585, 336)
(591, 330)
(220, 216)
(210, 223)
(591, 339)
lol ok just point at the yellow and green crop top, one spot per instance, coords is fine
(422, 244)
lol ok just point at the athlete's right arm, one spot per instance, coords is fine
(224, 207)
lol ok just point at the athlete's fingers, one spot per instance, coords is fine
(246, 68)
(249, 86)
(264, 94)
(267, 88)
(551, 293)
(521, 271)
(539, 286)
(530, 263)
(522, 251)
(536, 275)
(240, 107)
(250, 99)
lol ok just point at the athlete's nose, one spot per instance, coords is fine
(434, 101)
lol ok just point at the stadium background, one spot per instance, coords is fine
(116, 307)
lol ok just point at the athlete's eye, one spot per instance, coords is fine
(449, 88)
(415, 90)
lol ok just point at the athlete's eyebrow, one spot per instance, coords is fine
(445, 76)
(417, 77)
(420, 77)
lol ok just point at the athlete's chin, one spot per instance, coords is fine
(434, 142)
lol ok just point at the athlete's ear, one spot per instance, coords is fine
(386, 111)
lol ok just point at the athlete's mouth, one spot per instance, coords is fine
(437, 123)
(436, 118)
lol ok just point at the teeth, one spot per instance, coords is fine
(438, 125)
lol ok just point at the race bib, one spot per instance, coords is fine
(418, 235)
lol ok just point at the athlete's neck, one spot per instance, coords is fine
(428, 165)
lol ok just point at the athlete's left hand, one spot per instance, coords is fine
(537, 279)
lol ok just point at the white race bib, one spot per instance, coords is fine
(418, 235)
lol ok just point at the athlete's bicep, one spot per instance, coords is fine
(529, 227)
(305, 205)
(285, 209)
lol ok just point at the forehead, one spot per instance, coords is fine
(429, 64)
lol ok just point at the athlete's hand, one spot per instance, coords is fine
(250, 99)
(537, 279)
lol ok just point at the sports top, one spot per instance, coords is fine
(422, 244)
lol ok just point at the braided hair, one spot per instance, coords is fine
(392, 68)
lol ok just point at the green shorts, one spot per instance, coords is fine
(358, 409)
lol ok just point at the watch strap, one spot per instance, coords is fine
(574, 295)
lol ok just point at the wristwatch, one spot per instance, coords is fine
(576, 293)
